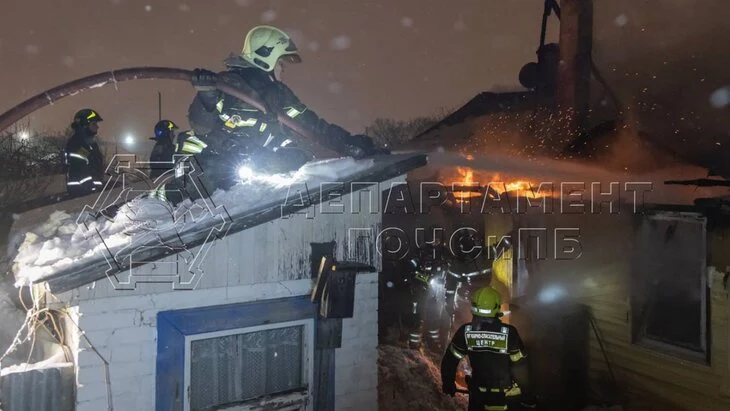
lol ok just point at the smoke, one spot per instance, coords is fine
(665, 63)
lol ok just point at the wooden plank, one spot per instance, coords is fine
(633, 361)
(329, 333)
(324, 380)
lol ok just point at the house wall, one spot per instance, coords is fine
(265, 262)
(599, 280)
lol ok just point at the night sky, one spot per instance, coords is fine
(362, 59)
(366, 59)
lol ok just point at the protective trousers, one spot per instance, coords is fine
(424, 314)
(495, 399)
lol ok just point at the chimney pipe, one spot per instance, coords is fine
(574, 73)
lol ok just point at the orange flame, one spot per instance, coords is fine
(465, 178)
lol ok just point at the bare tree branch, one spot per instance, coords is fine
(392, 133)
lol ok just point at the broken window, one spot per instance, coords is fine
(245, 368)
(668, 287)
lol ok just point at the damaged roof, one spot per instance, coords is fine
(93, 266)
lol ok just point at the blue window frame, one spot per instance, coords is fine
(174, 326)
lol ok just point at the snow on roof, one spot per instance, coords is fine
(64, 244)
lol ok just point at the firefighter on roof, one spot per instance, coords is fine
(161, 162)
(227, 124)
(83, 157)
(496, 355)
(164, 148)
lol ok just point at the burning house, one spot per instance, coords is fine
(620, 291)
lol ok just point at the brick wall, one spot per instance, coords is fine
(123, 331)
(356, 362)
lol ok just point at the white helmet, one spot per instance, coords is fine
(265, 45)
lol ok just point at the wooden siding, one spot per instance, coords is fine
(651, 380)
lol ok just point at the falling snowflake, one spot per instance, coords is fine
(268, 16)
(313, 45)
(184, 7)
(406, 22)
(32, 49)
(621, 20)
(341, 42)
(460, 25)
(68, 61)
(721, 97)
(243, 3)
(334, 88)
(148, 8)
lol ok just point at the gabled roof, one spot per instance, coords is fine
(97, 266)
(486, 103)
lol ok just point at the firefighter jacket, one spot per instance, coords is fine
(187, 143)
(84, 162)
(492, 347)
(161, 157)
(468, 268)
(217, 117)
(431, 262)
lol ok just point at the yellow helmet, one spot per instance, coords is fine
(486, 302)
(265, 45)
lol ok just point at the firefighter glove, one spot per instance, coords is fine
(204, 80)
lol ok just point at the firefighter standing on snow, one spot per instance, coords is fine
(84, 159)
(226, 124)
(496, 356)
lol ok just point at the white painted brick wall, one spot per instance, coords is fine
(123, 330)
(356, 363)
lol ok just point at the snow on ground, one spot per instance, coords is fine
(409, 380)
(61, 242)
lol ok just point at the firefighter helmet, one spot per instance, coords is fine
(486, 302)
(265, 45)
(86, 116)
(163, 128)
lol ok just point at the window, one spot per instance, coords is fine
(238, 368)
(670, 309)
(206, 357)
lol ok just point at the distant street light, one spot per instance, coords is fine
(24, 135)
(129, 141)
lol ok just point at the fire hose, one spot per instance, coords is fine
(49, 97)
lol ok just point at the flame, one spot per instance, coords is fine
(466, 178)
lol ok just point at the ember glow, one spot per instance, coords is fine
(464, 178)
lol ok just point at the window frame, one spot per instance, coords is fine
(307, 354)
(639, 338)
(174, 325)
